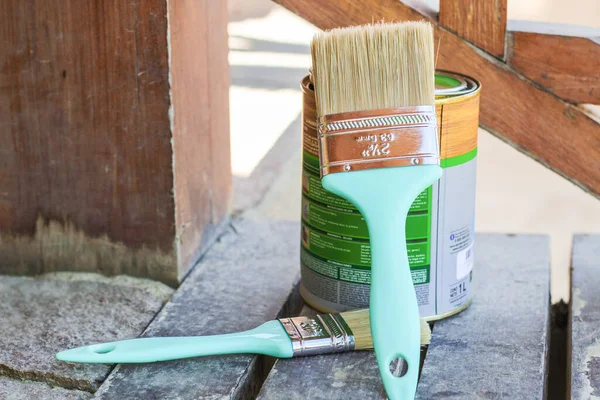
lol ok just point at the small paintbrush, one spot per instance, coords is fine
(374, 89)
(283, 338)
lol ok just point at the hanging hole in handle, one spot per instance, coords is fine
(398, 367)
(103, 348)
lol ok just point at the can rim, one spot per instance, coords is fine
(453, 87)
(464, 84)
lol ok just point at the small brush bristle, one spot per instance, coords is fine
(359, 323)
(373, 67)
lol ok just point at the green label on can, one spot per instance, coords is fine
(335, 237)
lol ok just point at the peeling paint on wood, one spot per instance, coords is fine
(62, 247)
(585, 318)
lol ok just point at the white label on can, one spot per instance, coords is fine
(464, 262)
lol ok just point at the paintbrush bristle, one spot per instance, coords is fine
(359, 323)
(373, 67)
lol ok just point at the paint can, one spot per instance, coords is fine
(335, 250)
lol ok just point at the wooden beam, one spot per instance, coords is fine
(482, 23)
(534, 121)
(98, 174)
(200, 98)
(569, 67)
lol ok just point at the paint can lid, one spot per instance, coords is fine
(450, 84)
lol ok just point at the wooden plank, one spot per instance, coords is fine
(43, 316)
(532, 120)
(565, 66)
(200, 96)
(482, 23)
(87, 171)
(17, 389)
(328, 376)
(494, 349)
(222, 294)
(585, 318)
(498, 347)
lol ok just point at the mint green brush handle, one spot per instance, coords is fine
(270, 339)
(384, 197)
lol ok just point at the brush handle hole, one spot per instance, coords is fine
(398, 367)
(103, 348)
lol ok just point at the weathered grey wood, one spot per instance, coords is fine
(243, 281)
(19, 390)
(41, 316)
(495, 349)
(585, 318)
(331, 376)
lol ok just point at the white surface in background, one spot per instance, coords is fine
(280, 26)
(289, 60)
(559, 17)
(259, 116)
(516, 194)
(554, 29)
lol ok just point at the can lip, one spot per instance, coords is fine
(457, 83)
(465, 84)
(307, 87)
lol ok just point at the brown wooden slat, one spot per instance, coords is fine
(482, 23)
(529, 118)
(85, 135)
(566, 66)
(75, 103)
(200, 95)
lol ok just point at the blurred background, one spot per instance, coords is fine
(269, 55)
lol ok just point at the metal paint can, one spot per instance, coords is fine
(335, 250)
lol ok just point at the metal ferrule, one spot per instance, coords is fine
(391, 137)
(323, 334)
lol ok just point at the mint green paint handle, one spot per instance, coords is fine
(384, 197)
(270, 339)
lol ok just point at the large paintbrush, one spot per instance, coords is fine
(374, 88)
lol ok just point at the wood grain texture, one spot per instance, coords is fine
(482, 23)
(566, 66)
(200, 96)
(458, 123)
(85, 133)
(84, 89)
(532, 120)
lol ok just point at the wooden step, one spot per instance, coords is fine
(497, 348)
(244, 280)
